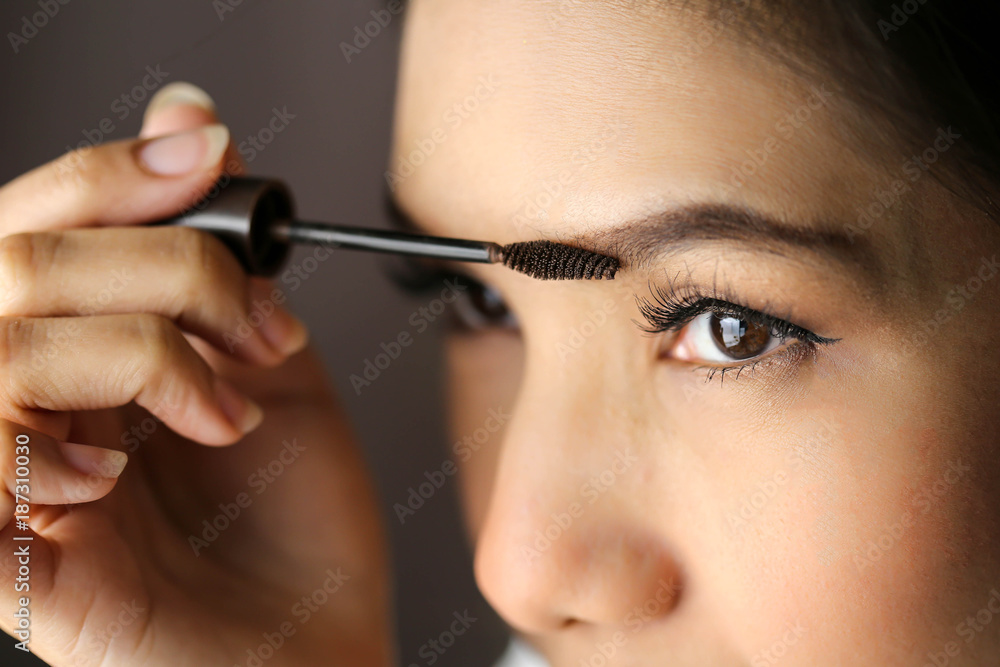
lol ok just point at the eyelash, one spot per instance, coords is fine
(420, 279)
(415, 278)
(668, 310)
(671, 309)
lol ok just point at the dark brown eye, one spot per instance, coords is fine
(481, 307)
(739, 339)
(469, 304)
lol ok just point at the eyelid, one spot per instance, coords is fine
(418, 276)
(422, 278)
(671, 311)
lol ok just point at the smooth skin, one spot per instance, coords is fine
(627, 507)
(830, 507)
(98, 316)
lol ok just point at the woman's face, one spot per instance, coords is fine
(817, 485)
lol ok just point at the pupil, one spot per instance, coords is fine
(738, 338)
(488, 303)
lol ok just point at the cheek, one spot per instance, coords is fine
(860, 538)
(484, 373)
(861, 522)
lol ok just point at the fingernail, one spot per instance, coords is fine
(182, 153)
(179, 92)
(283, 331)
(91, 460)
(241, 412)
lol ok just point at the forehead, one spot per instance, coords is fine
(529, 118)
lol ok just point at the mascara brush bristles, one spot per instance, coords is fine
(547, 260)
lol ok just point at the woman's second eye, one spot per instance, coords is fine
(480, 306)
(716, 338)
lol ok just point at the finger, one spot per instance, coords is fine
(177, 107)
(182, 106)
(183, 274)
(122, 182)
(38, 469)
(106, 361)
(41, 478)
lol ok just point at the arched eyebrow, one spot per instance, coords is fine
(641, 242)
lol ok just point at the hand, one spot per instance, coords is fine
(148, 345)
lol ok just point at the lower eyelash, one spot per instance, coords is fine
(722, 370)
(793, 354)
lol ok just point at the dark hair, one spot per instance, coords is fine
(919, 65)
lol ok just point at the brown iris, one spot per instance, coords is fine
(488, 303)
(739, 339)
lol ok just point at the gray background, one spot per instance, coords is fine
(260, 56)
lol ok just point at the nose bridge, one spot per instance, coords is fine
(565, 537)
(572, 419)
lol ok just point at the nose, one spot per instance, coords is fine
(567, 538)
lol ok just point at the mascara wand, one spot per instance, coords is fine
(256, 219)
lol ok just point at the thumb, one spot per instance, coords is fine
(182, 106)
